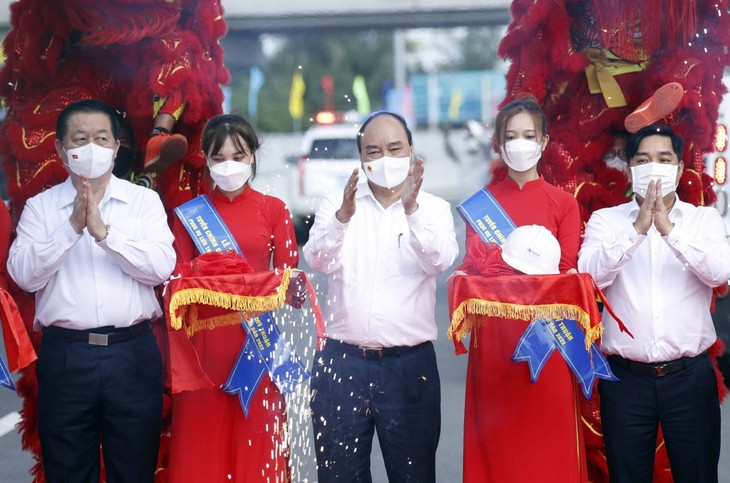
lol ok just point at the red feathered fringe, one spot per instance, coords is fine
(126, 53)
(681, 40)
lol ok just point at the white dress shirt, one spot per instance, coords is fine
(660, 287)
(82, 284)
(382, 268)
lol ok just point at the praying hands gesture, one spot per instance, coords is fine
(86, 212)
(653, 211)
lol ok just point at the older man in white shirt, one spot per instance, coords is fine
(658, 258)
(382, 244)
(92, 249)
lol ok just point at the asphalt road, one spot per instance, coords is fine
(452, 180)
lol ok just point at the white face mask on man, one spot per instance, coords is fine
(642, 174)
(230, 175)
(521, 154)
(387, 171)
(90, 160)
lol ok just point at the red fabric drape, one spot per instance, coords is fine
(208, 295)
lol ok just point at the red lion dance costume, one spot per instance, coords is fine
(143, 57)
(577, 57)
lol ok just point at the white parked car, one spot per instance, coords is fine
(327, 156)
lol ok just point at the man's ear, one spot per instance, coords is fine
(680, 170)
(60, 152)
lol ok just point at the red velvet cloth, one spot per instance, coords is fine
(18, 346)
(515, 430)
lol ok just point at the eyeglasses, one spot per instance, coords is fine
(612, 153)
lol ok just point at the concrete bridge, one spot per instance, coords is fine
(250, 17)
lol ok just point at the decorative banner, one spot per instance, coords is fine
(5, 379)
(542, 337)
(296, 96)
(327, 82)
(205, 226)
(487, 217)
(360, 91)
(457, 99)
(256, 80)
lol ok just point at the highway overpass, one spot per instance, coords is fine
(282, 16)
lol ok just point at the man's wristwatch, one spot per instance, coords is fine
(106, 235)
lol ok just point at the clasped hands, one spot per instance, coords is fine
(653, 211)
(86, 212)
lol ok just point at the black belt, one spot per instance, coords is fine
(657, 369)
(101, 335)
(370, 353)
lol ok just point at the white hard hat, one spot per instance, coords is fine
(533, 250)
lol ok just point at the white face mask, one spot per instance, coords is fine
(90, 160)
(387, 171)
(617, 163)
(642, 174)
(521, 154)
(230, 175)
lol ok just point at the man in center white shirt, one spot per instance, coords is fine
(382, 243)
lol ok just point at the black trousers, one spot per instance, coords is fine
(685, 404)
(355, 394)
(89, 394)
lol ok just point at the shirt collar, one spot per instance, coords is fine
(363, 189)
(679, 208)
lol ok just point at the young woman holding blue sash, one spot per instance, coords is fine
(211, 439)
(516, 430)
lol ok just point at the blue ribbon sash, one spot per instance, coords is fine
(269, 352)
(482, 211)
(264, 350)
(542, 337)
(5, 379)
(205, 226)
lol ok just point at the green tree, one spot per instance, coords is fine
(342, 56)
(479, 49)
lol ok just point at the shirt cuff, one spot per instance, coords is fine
(630, 238)
(418, 219)
(672, 239)
(66, 235)
(336, 228)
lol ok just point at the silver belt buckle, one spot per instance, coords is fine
(98, 339)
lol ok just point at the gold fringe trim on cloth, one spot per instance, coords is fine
(464, 317)
(232, 318)
(185, 298)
